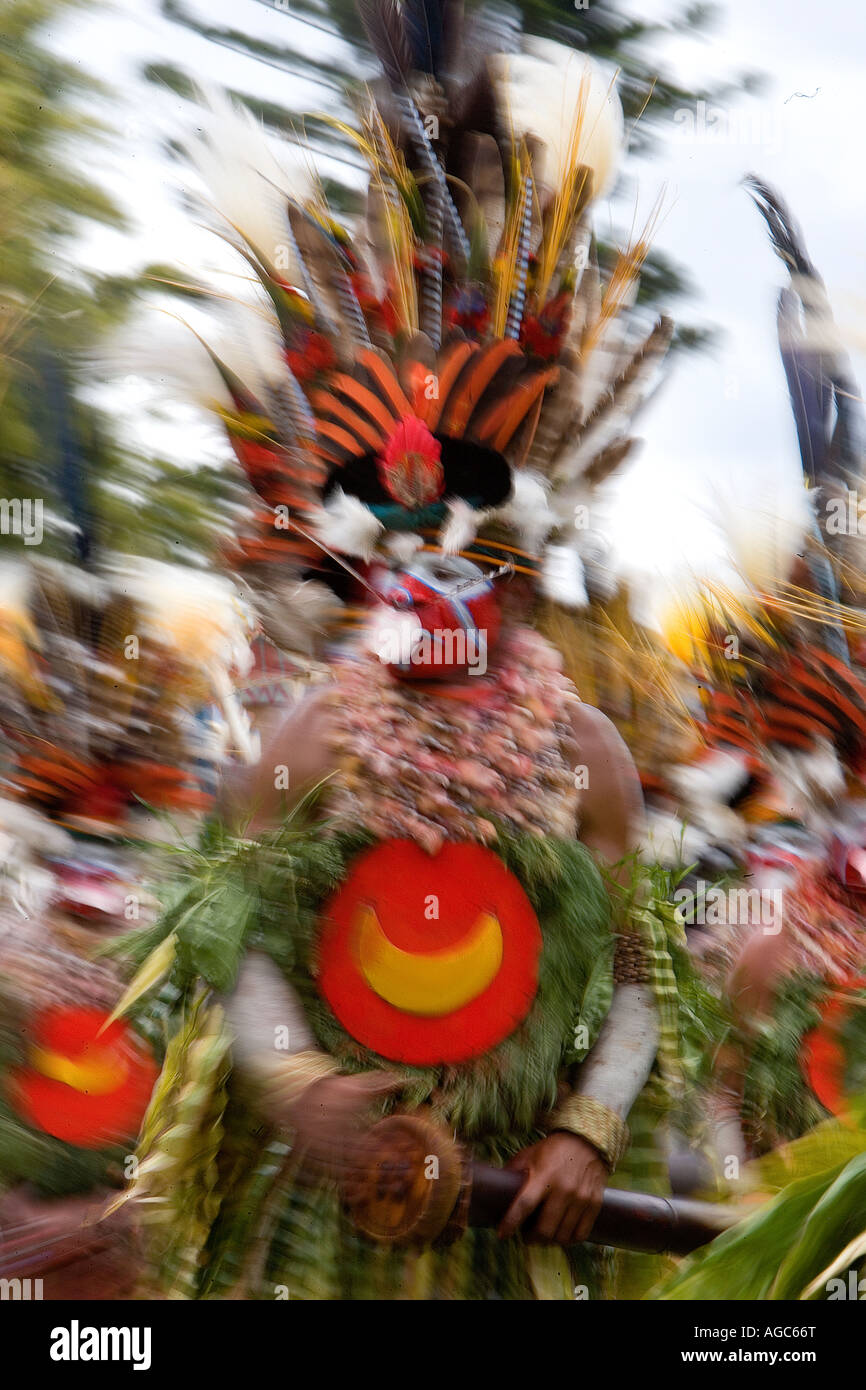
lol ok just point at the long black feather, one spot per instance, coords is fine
(424, 31)
(785, 233)
(385, 27)
(812, 377)
(808, 387)
(845, 456)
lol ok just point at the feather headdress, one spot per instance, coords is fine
(448, 368)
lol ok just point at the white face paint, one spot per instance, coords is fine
(392, 635)
(399, 631)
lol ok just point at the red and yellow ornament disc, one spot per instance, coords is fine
(822, 1055)
(429, 959)
(85, 1083)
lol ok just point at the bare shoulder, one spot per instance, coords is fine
(300, 740)
(597, 734)
(295, 755)
(611, 808)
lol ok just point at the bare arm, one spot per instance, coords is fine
(300, 1087)
(616, 1070)
(612, 816)
(611, 811)
(566, 1173)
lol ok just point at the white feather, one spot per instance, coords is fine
(29, 827)
(615, 424)
(547, 90)
(167, 353)
(403, 545)
(723, 826)
(461, 526)
(346, 525)
(815, 775)
(251, 347)
(669, 841)
(248, 176)
(528, 510)
(562, 577)
(714, 780)
(589, 514)
(391, 635)
(296, 614)
(601, 574)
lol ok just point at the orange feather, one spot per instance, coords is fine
(454, 362)
(478, 378)
(500, 422)
(384, 375)
(326, 403)
(342, 438)
(362, 396)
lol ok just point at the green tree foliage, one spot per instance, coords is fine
(44, 308)
(54, 444)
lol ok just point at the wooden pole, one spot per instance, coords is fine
(627, 1220)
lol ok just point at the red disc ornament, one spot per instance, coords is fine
(87, 1087)
(822, 1056)
(429, 959)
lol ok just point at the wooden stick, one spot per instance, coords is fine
(627, 1220)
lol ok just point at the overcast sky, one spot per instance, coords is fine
(722, 424)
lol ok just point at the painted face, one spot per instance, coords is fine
(440, 618)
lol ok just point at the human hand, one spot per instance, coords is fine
(564, 1181)
(331, 1118)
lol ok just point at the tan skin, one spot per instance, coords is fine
(564, 1176)
(757, 973)
(752, 985)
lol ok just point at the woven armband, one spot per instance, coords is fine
(594, 1122)
(630, 962)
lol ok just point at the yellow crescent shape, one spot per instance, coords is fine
(97, 1075)
(433, 983)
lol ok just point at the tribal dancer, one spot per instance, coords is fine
(102, 672)
(422, 927)
(777, 781)
(789, 737)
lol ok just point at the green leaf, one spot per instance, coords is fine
(852, 1254)
(157, 965)
(836, 1220)
(211, 935)
(742, 1264)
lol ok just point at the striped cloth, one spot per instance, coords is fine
(657, 924)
